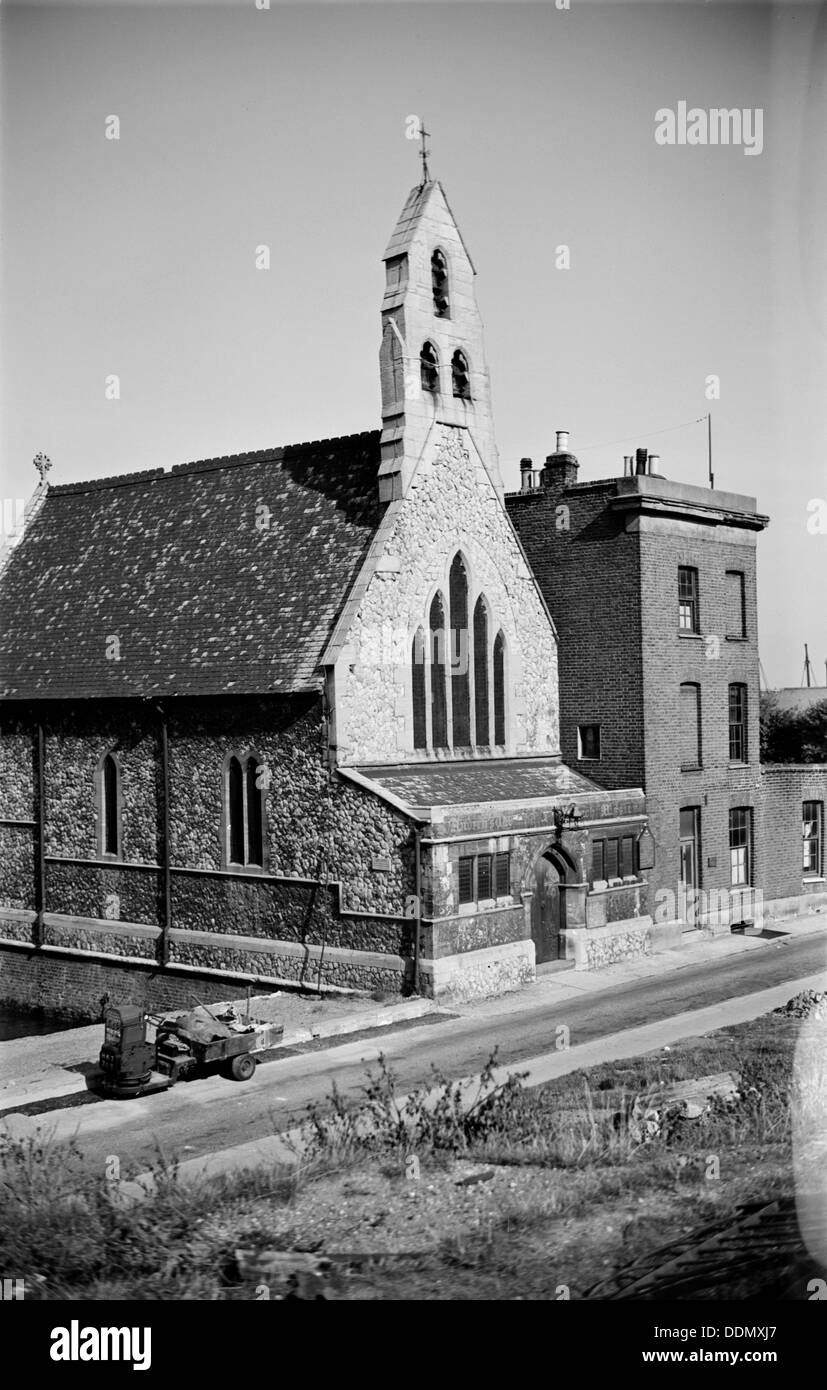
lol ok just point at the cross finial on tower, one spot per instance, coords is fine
(423, 154)
(42, 463)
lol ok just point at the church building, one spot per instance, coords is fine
(292, 716)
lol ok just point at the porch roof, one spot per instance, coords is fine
(423, 787)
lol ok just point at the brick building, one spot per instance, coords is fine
(652, 585)
(292, 716)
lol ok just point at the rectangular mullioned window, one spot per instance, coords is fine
(740, 846)
(812, 828)
(616, 857)
(737, 723)
(483, 877)
(688, 614)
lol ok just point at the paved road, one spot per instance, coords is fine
(213, 1113)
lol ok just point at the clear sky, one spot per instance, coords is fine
(241, 127)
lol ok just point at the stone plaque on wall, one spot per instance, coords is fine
(646, 850)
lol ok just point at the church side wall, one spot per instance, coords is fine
(330, 904)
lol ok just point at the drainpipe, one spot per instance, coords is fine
(40, 832)
(418, 921)
(163, 942)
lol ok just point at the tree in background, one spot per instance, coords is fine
(793, 735)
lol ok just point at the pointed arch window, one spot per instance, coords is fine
(482, 731)
(460, 376)
(439, 701)
(418, 687)
(439, 283)
(499, 690)
(109, 799)
(459, 671)
(429, 368)
(460, 679)
(245, 812)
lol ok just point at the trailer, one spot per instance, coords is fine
(191, 1043)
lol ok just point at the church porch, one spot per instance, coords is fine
(507, 871)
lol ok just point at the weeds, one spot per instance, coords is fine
(447, 1117)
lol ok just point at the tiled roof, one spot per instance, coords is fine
(425, 785)
(201, 598)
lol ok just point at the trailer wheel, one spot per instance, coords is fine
(242, 1066)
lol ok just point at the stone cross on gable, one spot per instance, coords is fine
(42, 463)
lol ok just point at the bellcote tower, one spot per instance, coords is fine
(432, 358)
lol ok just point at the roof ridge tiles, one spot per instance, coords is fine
(275, 453)
(115, 480)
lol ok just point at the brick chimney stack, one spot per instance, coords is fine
(561, 466)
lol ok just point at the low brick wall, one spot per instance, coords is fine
(786, 786)
(78, 988)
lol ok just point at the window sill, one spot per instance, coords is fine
(692, 767)
(813, 878)
(253, 870)
(728, 638)
(734, 765)
(484, 905)
(690, 636)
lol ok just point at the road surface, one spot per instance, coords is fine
(212, 1113)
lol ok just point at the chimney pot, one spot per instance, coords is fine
(627, 466)
(525, 475)
(562, 441)
(654, 460)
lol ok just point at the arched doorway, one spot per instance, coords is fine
(547, 905)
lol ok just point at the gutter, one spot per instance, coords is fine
(418, 918)
(40, 833)
(163, 941)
